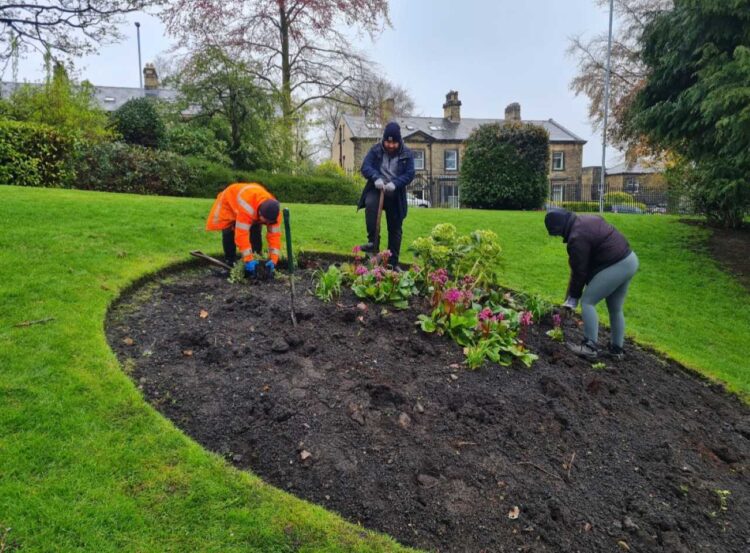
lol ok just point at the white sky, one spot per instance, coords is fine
(493, 52)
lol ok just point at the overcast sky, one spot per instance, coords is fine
(493, 52)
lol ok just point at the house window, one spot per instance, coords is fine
(631, 184)
(557, 193)
(451, 160)
(418, 160)
(558, 161)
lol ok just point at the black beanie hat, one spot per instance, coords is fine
(392, 132)
(556, 220)
(269, 210)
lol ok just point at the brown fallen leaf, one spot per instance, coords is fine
(623, 545)
(514, 512)
(187, 352)
(128, 341)
(305, 455)
(203, 314)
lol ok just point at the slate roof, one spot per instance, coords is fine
(637, 168)
(111, 98)
(440, 128)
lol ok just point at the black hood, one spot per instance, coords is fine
(558, 222)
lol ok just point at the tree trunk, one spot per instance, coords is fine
(286, 84)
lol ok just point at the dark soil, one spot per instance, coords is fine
(359, 411)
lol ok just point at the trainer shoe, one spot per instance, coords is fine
(615, 352)
(586, 349)
(369, 247)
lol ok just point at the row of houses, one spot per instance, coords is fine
(438, 144)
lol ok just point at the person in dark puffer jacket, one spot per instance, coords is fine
(601, 267)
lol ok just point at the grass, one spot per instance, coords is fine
(86, 464)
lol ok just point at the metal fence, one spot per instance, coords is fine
(621, 195)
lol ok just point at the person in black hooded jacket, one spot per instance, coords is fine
(601, 267)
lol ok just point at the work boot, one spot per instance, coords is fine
(586, 349)
(369, 247)
(615, 352)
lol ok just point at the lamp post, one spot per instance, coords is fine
(606, 110)
(140, 67)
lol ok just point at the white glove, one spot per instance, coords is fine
(570, 303)
(390, 187)
(379, 183)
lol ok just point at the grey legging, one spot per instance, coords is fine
(612, 284)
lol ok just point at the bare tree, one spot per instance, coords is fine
(295, 48)
(365, 94)
(628, 72)
(62, 28)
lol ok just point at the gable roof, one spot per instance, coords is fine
(110, 98)
(636, 168)
(440, 128)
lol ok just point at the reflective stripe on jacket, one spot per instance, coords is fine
(238, 205)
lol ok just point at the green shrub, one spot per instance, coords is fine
(208, 179)
(33, 154)
(619, 198)
(505, 167)
(584, 207)
(138, 122)
(190, 140)
(119, 167)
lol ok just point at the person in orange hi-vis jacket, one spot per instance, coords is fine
(238, 212)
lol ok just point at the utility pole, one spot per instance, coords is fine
(140, 66)
(606, 110)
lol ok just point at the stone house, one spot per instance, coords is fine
(438, 146)
(645, 182)
(111, 98)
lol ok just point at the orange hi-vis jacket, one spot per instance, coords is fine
(238, 205)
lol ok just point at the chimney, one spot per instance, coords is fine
(452, 107)
(150, 78)
(387, 108)
(513, 112)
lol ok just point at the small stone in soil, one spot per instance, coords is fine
(419, 408)
(279, 345)
(404, 420)
(427, 481)
(454, 377)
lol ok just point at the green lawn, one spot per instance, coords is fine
(85, 464)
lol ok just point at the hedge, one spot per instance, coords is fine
(208, 179)
(582, 207)
(120, 167)
(32, 154)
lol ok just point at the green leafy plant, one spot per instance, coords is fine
(476, 255)
(237, 274)
(598, 366)
(373, 280)
(538, 306)
(328, 283)
(556, 332)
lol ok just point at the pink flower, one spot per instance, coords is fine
(385, 255)
(468, 281)
(556, 320)
(361, 270)
(485, 314)
(378, 273)
(439, 277)
(500, 317)
(356, 249)
(526, 318)
(452, 296)
(415, 268)
(468, 296)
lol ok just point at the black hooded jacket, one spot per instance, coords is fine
(593, 245)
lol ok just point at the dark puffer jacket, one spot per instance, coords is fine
(405, 174)
(593, 245)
